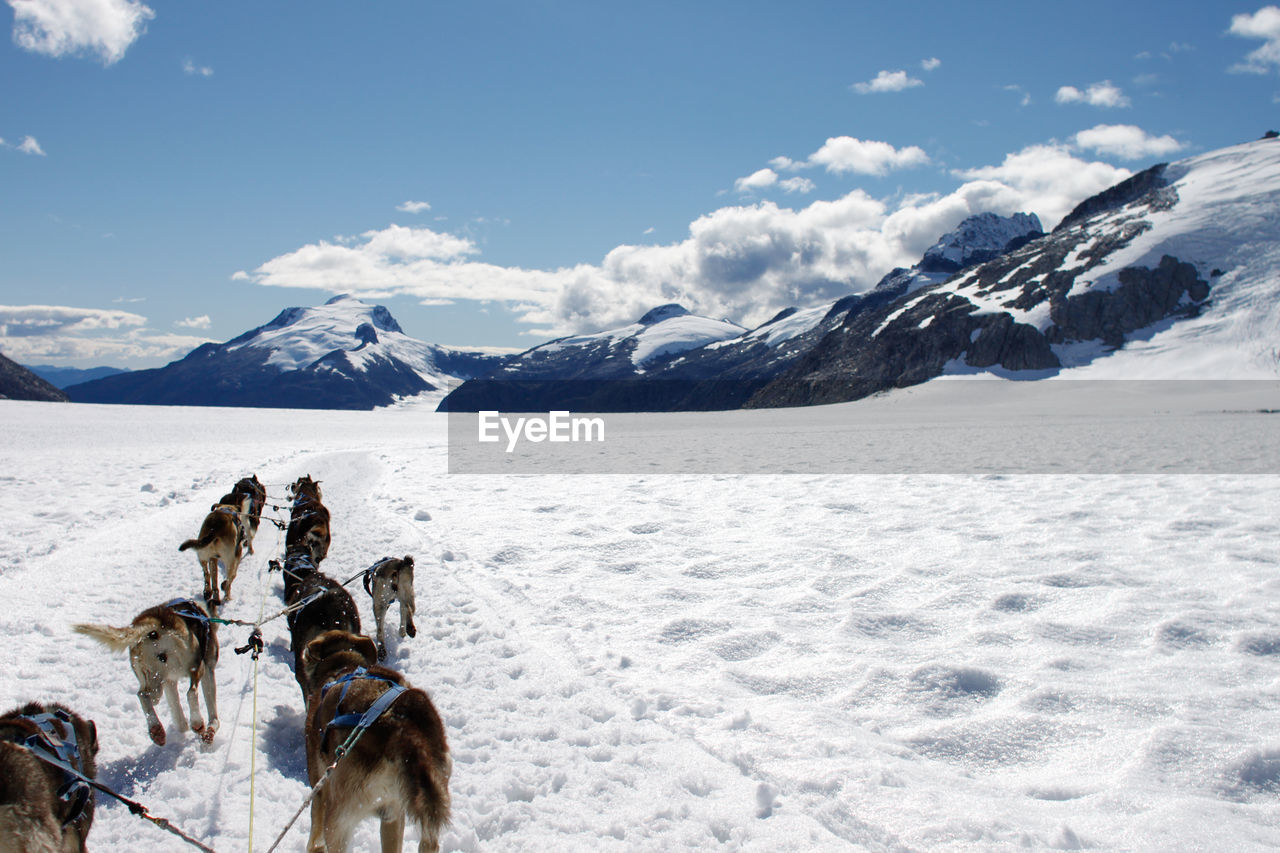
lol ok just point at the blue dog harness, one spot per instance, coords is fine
(195, 617)
(361, 721)
(66, 754)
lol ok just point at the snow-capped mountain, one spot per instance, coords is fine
(1173, 273)
(630, 351)
(345, 354)
(672, 360)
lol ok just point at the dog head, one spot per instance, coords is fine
(335, 651)
(305, 487)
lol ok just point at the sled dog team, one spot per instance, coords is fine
(381, 741)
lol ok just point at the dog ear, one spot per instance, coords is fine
(93, 736)
(408, 561)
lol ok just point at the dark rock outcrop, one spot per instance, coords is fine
(19, 383)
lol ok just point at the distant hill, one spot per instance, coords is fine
(63, 377)
(345, 354)
(19, 383)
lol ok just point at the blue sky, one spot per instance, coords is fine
(498, 173)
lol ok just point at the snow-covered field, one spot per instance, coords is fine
(655, 662)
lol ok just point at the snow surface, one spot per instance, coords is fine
(683, 662)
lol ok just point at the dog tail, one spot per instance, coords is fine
(116, 639)
(426, 763)
(203, 542)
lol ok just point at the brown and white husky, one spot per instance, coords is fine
(167, 643)
(399, 768)
(219, 541)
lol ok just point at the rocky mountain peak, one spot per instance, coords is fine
(979, 238)
(663, 312)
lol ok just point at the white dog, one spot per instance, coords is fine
(166, 643)
(389, 580)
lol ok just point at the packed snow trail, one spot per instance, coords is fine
(630, 663)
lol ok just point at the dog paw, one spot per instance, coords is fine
(157, 734)
(209, 731)
(382, 652)
(412, 630)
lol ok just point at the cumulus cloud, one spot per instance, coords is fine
(101, 28)
(189, 67)
(1263, 24)
(887, 81)
(1047, 180)
(764, 179)
(59, 333)
(201, 322)
(1125, 141)
(841, 154)
(24, 320)
(744, 262)
(931, 63)
(797, 185)
(413, 207)
(1104, 94)
(135, 346)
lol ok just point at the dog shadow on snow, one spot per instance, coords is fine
(282, 741)
(125, 775)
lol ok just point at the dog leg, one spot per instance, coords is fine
(380, 605)
(430, 842)
(147, 698)
(406, 618)
(232, 566)
(315, 843)
(210, 702)
(211, 596)
(175, 705)
(193, 707)
(391, 833)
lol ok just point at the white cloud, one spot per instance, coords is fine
(1047, 180)
(58, 333)
(201, 322)
(28, 145)
(189, 67)
(1263, 24)
(797, 185)
(786, 164)
(413, 207)
(1025, 99)
(744, 262)
(931, 63)
(1125, 141)
(842, 154)
(1104, 94)
(764, 179)
(102, 28)
(23, 320)
(758, 180)
(887, 81)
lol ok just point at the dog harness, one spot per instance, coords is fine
(197, 621)
(361, 721)
(371, 571)
(65, 753)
